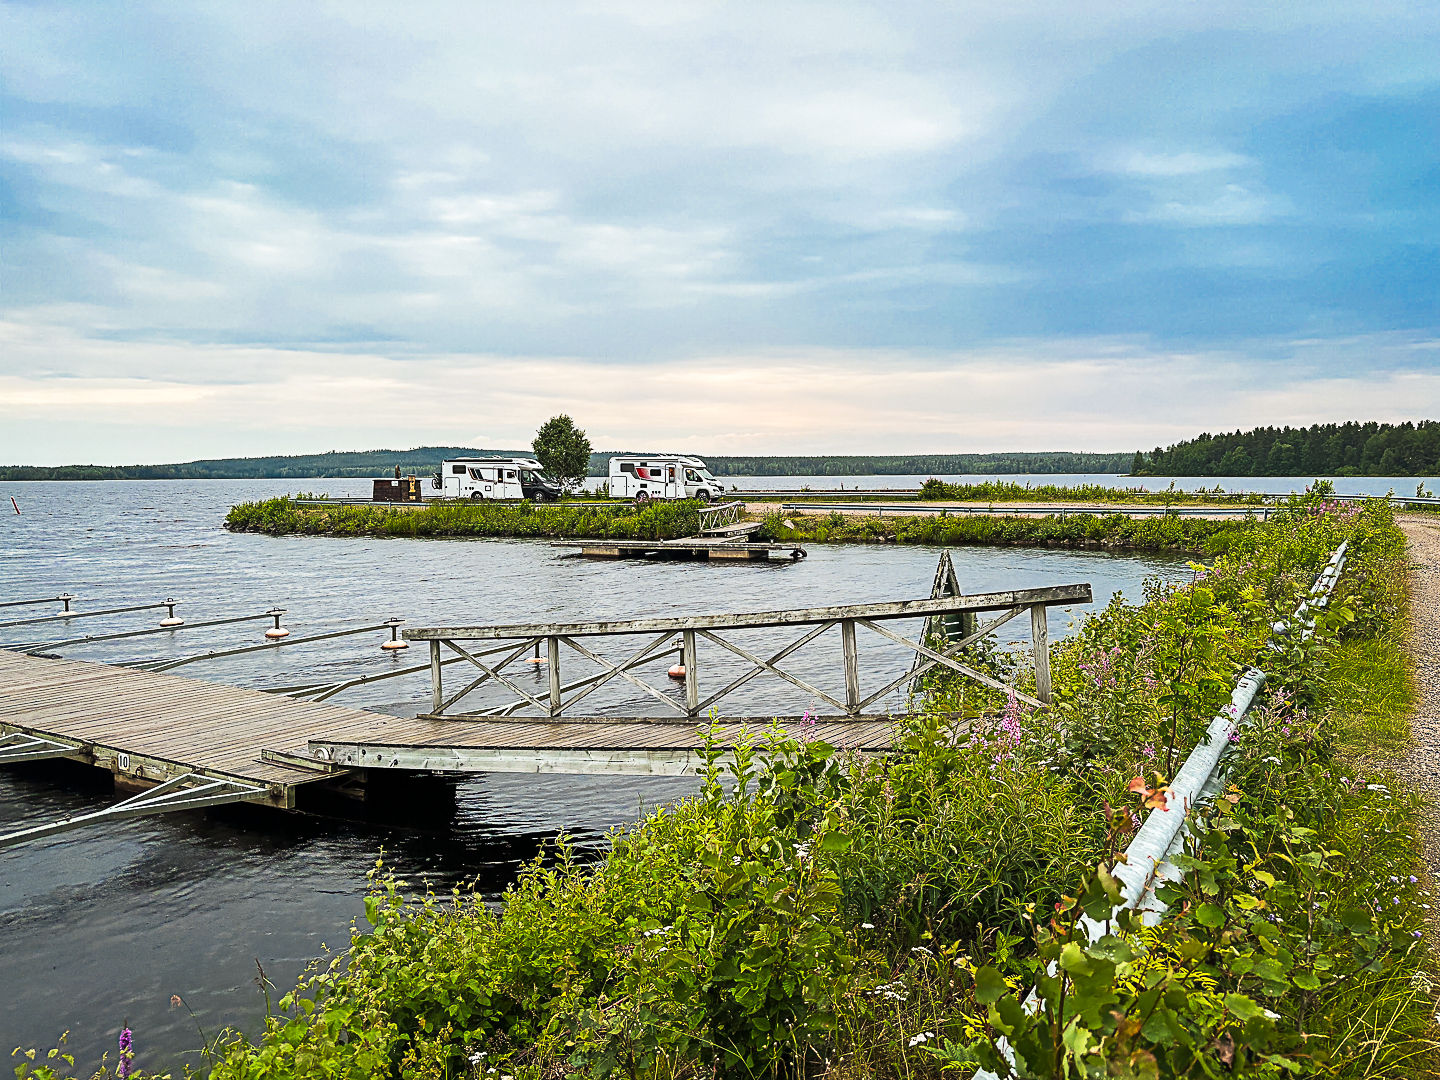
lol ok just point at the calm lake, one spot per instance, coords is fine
(100, 927)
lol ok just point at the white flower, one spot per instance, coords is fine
(924, 1036)
(735, 860)
(1272, 1015)
(921, 949)
(1376, 787)
(867, 926)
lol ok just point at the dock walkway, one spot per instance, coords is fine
(150, 728)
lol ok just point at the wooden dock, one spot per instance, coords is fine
(148, 728)
(691, 547)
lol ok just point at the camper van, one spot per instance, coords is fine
(662, 476)
(492, 478)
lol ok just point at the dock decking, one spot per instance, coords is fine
(689, 547)
(149, 728)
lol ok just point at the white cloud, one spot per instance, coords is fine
(1185, 163)
(1233, 204)
(114, 402)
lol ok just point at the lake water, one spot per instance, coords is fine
(101, 926)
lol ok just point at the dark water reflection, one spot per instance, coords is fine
(101, 926)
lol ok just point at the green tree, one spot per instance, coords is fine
(1137, 467)
(563, 450)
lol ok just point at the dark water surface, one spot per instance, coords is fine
(101, 926)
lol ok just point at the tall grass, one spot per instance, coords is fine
(1011, 491)
(285, 517)
(1071, 530)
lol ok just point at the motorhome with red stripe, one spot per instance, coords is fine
(662, 476)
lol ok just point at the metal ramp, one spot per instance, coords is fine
(192, 791)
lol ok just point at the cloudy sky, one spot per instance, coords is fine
(286, 228)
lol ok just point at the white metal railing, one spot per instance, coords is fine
(1146, 861)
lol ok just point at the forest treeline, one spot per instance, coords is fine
(425, 460)
(1353, 449)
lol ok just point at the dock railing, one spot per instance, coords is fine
(508, 645)
(720, 515)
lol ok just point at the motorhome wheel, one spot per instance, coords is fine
(642, 497)
(539, 497)
(703, 496)
(475, 496)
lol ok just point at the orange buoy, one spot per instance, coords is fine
(677, 671)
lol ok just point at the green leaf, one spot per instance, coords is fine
(1210, 915)
(1306, 980)
(990, 986)
(834, 841)
(1243, 1007)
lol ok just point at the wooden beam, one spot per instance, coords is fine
(1040, 639)
(901, 609)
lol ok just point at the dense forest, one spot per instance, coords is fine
(424, 460)
(1352, 449)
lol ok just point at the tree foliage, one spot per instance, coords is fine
(562, 450)
(1351, 449)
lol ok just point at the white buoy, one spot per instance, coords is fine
(395, 643)
(277, 631)
(171, 619)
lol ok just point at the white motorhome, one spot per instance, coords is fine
(492, 478)
(662, 476)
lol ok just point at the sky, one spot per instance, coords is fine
(243, 229)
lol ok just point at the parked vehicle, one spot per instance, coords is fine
(492, 478)
(662, 476)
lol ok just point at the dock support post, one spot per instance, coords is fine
(852, 666)
(436, 696)
(692, 674)
(552, 657)
(1040, 640)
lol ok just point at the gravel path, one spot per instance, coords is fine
(1421, 766)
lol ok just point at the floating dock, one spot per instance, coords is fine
(688, 548)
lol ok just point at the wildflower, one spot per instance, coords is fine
(922, 949)
(924, 1036)
(1413, 879)
(175, 1001)
(122, 1063)
(1148, 751)
(867, 926)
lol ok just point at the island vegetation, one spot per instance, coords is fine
(818, 913)
(288, 516)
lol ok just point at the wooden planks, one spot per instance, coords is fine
(899, 609)
(148, 726)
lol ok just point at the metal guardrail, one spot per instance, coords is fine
(1203, 773)
(1147, 859)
